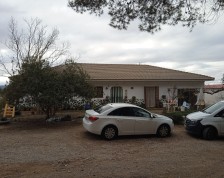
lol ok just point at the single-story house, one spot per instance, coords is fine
(144, 84)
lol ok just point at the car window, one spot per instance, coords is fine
(130, 111)
(125, 111)
(140, 112)
(102, 108)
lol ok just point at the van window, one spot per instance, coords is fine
(220, 114)
(213, 107)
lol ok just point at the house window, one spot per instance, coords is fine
(99, 92)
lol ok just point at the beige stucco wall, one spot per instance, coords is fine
(137, 88)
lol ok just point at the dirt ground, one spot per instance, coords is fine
(64, 149)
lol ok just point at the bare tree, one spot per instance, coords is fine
(32, 44)
(34, 73)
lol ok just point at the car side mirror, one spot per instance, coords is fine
(152, 115)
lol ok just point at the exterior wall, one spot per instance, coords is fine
(129, 88)
(178, 85)
(136, 89)
(211, 99)
(133, 90)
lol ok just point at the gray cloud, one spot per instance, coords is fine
(94, 41)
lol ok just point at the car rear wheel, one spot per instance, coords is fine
(163, 131)
(109, 132)
(209, 133)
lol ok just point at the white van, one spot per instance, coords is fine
(207, 123)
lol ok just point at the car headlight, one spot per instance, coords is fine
(195, 122)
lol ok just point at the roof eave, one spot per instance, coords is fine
(151, 80)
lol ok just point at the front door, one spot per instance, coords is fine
(116, 94)
(150, 96)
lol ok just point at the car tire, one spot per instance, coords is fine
(109, 132)
(163, 131)
(209, 133)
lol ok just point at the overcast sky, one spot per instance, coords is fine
(92, 40)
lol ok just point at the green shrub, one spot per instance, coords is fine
(178, 117)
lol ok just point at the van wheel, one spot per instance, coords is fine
(110, 132)
(209, 133)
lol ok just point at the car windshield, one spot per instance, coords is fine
(101, 109)
(213, 107)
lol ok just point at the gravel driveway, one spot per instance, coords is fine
(64, 149)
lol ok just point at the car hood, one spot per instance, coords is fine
(197, 115)
(161, 116)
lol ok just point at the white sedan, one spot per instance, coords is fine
(116, 119)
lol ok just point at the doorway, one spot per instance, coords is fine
(188, 95)
(151, 96)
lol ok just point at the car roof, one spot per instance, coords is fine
(117, 105)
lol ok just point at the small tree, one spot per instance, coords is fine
(49, 87)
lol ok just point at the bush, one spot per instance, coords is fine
(178, 117)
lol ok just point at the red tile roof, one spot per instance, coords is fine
(212, 89)
(216, 86)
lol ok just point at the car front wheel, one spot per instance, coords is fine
(163, 131)
(109, 132)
